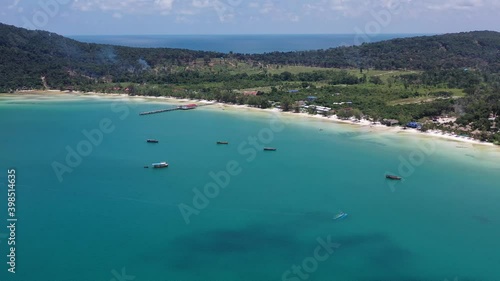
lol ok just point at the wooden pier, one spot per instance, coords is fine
(159, 111)
(181, 107)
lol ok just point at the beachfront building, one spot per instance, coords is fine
(251, 93)
(390, 122)
(323, 109)
(188, 106)
(319, 109)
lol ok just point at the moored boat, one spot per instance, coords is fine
(152, 141)
(222, 142)
(269, 149)
(392, 177)
(340, 215)
(160, 165)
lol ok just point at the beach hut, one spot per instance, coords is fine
(250, 93)
(390, 122)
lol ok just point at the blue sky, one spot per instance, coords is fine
(90, 17)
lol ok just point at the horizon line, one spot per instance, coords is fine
(256, 34)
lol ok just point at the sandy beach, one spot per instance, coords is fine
(231, 107)
(359, 123)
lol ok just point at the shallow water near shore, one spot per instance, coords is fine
(110, 215)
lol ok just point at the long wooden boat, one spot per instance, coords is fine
(392, 177)
(160, 165)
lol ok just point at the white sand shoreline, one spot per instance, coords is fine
(223, 106)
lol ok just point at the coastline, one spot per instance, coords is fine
(222, 106)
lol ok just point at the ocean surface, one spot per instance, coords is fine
(241, 43)
(263, 216)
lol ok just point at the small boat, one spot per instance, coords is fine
(340, 215)
(152, 141)
(391, 177)
(269, 149)
(160, 165)
(222, 142)
(146, 167)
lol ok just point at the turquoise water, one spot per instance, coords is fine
(109, 213)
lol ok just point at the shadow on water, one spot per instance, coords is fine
(256, 245)
(239, 251)
(482, 219)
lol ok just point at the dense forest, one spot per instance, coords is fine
(411, 79)
(26, 56)
(477, 50)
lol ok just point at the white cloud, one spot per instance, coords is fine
(308, 8)
(267, 8)
(254, 5)
(339, 5)
(455, 5)
(125, 6)
(14, 4)
(357, 7)
(201, 3)
(293, 18)
(187, 12)
(183, 20)
(164, 4)
(279, 10)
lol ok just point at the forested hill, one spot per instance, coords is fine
(477, 50)
(26, 56)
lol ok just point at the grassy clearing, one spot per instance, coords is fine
(412, 100)
(238, 67)
(426, 96)
(295, 69)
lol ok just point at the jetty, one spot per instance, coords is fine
(158, 111)
(180, 107)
